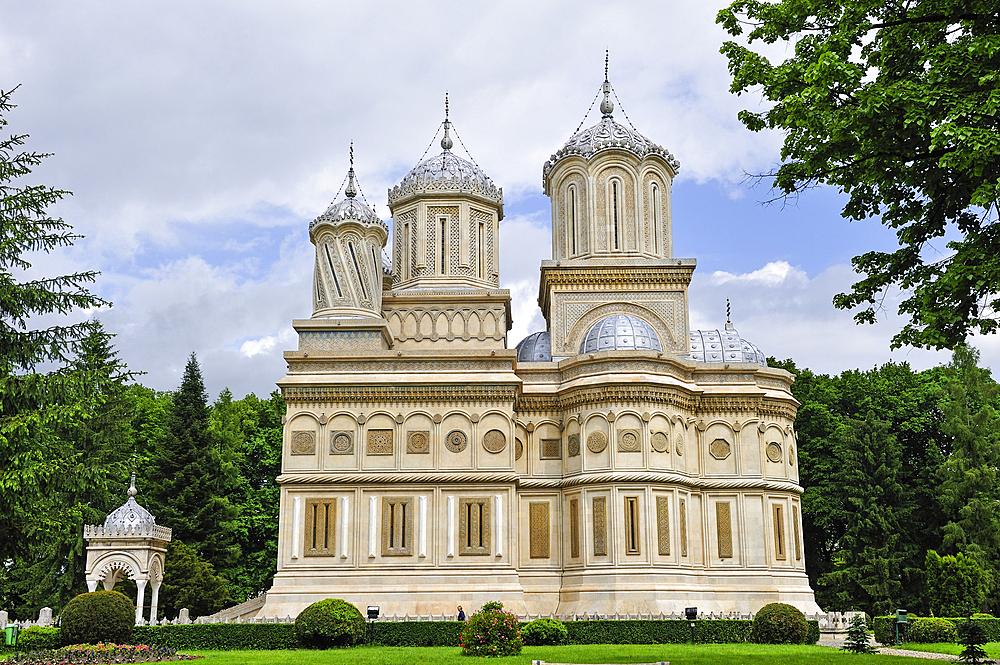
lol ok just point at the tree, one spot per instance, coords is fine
(868, 562)
(35, 462)
(190, 493)
(954, 583)
(969, 491)
(896, 104)
(189, 581)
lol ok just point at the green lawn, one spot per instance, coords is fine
(676, 654)
(992, 648)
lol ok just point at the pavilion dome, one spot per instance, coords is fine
(535, 348)
(130, 514)
(724, 346)
(620, 332)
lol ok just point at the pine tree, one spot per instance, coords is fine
(189, 491)
(868, 560)
(857, 636)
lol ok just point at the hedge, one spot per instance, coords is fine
(37, 638)
(885, 631)
(269, 636)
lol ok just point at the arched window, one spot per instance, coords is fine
(572, 219)
(654, 216)
(614, 210)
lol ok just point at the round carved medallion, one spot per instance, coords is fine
(456, 441)
(679, 446)
(628, 441)
(303, 443)
(659, 442)
(418, 442)
(597, 442)
(518, 448)
(494, 441)
(342, 443)
(774, 451)
(791, 456)
(574, 445)
(719, 449)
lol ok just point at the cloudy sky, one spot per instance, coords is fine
(200, 138)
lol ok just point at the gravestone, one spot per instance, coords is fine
(45, 616)
(184, 617)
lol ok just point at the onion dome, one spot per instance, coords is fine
(620, 332)
(607, 135)
(350, 207)
(446, 173)
(130, 514)
(535, 348)
(724, 346)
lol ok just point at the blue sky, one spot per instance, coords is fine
(199, 139)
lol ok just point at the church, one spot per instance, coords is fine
(615, 462)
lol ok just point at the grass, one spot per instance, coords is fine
(992, 648)
(676, 654)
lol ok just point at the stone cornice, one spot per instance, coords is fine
(399, 394)
(479, 477)
(618, 275)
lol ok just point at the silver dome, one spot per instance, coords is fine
(349, 208)
(535, 348)
(446, 172)
(620, 332)
(130, 514)
(724, 346)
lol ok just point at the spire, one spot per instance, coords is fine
(607, 106)
(352, 189)
(729, 323)
(131, 490)
(446, 141)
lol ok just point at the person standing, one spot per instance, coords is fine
(461, 613)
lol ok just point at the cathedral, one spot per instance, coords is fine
(615, 462)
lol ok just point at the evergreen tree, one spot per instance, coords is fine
(868, 563)
(190, 491)
(969, 491)
(953, 584)
(189, 581)
(857, 636)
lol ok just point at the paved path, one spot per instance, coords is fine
(887, 651)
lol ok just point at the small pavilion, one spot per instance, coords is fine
(128, 544)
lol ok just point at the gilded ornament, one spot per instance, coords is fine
(456, 441)
(303, 443)
(551, 449)
(494, 441)
(341, 443)
(629, 441)
(418, 442)
(720, 449)
(574, 445)
(597, 442)
(379, 442)
(659, 442)
(518, 449)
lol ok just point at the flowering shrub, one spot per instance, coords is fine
(491, 632)
(98, 654)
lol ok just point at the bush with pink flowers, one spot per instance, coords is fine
(492, 633)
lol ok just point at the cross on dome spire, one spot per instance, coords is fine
(131, 490)
(729, 323)
(607, 106)
(352, 189)
(446, 141)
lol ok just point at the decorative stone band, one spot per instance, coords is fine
(404, 191)
(660, 477)
(630, 276)
(91, 531)
(400, 394)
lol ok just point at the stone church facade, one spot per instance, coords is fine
(615, 462)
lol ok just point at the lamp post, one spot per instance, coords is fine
(691, 614)
(373, 611)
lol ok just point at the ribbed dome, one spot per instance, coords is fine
(620, 332)
(724, 346)
(130, 514)
(349, 208)
(446, 172)
(535, 348)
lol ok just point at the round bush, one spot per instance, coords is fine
(933, 630)
(778, 623)
(330, 623)
(491, 632)
(99, 616)
(542, 632)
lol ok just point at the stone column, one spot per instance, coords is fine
(92, 585)
(154, 602)
(140, 598)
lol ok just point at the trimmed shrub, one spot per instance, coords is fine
(98, 616)
(219, 636)
(37, 638)
(543, 632)
(330, 623)
(932, 630)
(885, 627)
(953, 583)
(778, 623)
(418, 633)
(492, 632)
